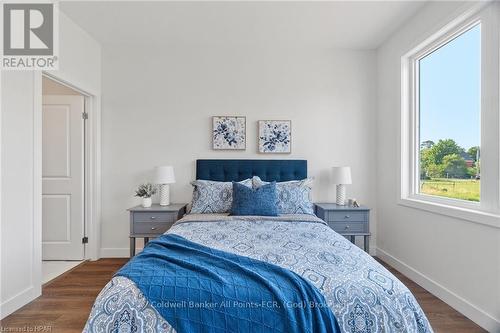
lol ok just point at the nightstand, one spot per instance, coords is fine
(347, 221)
(152, 222)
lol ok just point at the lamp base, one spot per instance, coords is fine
(341, 194)
(164, 195)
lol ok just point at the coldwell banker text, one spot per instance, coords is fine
(29, 36)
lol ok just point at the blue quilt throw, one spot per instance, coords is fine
(199, 289)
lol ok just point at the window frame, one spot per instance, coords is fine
(487, 211)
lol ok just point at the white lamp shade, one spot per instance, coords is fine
(341, 175)
(165, 175)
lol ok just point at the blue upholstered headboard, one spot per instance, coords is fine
(236, 170)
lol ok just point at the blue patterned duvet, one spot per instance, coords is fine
(362, 294)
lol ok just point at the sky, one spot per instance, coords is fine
(450, 91)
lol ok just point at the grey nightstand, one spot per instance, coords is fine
(152, 221)
(347, 221)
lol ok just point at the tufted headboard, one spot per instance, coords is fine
(236, 170)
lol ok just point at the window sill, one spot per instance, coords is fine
(466, 214)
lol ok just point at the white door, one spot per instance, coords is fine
(63, 177)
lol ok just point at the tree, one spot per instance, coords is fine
(472, 172)
(437, 152)
(435, 171)
(473, 152)
(454, 166)
(427, 144)
(426, 158)
(442, 159)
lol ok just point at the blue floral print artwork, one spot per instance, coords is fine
(229, 132)
(275, 136)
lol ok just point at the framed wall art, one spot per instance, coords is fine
(275, 136)
(229, 132)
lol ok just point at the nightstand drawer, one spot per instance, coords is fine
(348, 227)
(346, 216)
(156, 228)
(143, 217)
(347, 221)
(149, 222)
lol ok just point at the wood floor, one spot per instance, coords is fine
(66, 301)
(443, 318)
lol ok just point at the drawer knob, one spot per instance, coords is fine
(153, 217)
(153, 228)
(346, 227)
(347, 216)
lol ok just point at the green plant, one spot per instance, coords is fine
(145, 190)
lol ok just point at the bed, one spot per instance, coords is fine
(362, 295)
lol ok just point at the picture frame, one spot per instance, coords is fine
(229, 132)
(275, 136)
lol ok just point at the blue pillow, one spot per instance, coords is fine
(260, 201)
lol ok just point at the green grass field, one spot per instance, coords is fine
(464, 189)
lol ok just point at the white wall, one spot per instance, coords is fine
(20, 235)
(79, 57)
(18, 270)
(457, 260)
(158, 102)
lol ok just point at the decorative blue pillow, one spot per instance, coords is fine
(260, 201)
(293, 197)
(213, 197)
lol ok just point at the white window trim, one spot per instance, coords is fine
(488, 210)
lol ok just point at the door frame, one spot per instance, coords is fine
(92, 166)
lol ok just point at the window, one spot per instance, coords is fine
(450, 120)
(449, 109)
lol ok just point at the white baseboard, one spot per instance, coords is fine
(17, 301)
(110, 252)
(480, 317)
(119, 252)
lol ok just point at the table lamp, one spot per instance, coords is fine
(164, 177)
(341, 177)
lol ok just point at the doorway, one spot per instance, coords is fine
(63, 178)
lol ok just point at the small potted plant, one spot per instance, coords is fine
(145, 191)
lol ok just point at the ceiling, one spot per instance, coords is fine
(339, 24)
